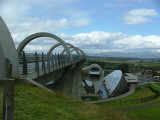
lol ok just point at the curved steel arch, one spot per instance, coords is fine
(81, 52)
(43, 34)
(58, 44)
(72, 51)
(97, 83)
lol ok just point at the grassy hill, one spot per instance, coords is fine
(34, 103)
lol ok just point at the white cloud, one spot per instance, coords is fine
(22, 19)
(21, 22)
(99, 41)
(139, 16)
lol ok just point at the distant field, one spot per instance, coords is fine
(113, 64)
(146, 64)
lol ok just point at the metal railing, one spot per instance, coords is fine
(125, 102)
(30, 63)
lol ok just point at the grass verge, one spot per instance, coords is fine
(34, 103)
(151, 113)
(132, 100)
(158, 84)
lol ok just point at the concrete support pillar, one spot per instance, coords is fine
(69, 78)
(77, 87)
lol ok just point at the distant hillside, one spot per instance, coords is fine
(132, 55)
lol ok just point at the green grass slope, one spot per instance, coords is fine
(34, 103)
(151, 113)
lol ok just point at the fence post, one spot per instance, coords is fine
(52, 59)
(36, 64)
(48, 62)
(61, 61)
(58, 61)
(24, 64)
(43, 63)
(8, 94)
(64, 60)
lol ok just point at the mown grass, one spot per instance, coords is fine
(148, 113)
(151, 113)
(154, 87)
(132, 100)
(158, 84)
(34, 103)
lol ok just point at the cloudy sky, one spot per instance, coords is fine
(94, 26)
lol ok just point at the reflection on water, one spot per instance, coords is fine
(102, 92)
(87, 99)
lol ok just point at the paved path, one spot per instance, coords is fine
(139, 107)
(131, 91)
(142, 106)
(155, 85)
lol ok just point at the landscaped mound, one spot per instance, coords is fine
(34, 103)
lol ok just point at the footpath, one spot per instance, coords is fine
(131, 91)
(142, 106)
(155, 85)
(139, 107)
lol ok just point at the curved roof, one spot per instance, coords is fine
(112, 80)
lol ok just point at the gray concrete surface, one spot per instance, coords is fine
(7, 50)
(43, 34)
(97, 83)
(68, 79)
(58, 44)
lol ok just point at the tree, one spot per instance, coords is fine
(124, 68)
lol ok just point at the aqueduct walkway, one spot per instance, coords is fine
(60, 71)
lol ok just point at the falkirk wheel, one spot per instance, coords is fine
(94, 74)
(7, 51)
